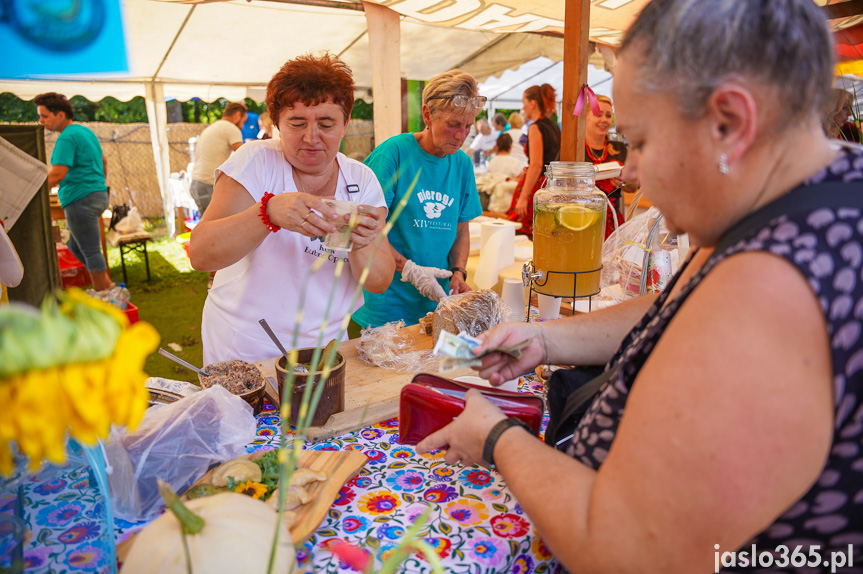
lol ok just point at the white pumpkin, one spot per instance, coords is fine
(235, 538)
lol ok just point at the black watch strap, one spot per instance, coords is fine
(495, 434)
(460, 270)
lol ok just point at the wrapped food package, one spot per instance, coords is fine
(388, 347)
(473, 312)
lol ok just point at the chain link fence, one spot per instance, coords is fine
(131, 166)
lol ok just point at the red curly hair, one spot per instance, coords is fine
(311, 80)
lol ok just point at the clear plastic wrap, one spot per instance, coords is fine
(623, 256)
(389, 348)
(177, 443)
(473, 312)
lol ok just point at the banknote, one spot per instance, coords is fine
(455, 346)
(456, 351)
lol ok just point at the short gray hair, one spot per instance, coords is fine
(448, 84)
(696, 45)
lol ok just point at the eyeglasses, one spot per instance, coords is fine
(461, 101)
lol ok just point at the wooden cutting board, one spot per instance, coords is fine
(340, 467)
(371, 393)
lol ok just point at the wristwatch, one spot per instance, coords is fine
(493, 436)
(459, 269)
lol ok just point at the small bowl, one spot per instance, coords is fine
(255, 397)
(333, 397)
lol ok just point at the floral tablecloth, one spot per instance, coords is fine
(476, 525)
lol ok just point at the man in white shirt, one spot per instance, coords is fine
(484, 142)
(214, 147)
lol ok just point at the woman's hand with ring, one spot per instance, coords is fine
(369, 225)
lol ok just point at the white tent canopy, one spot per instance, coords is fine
(506, 90)
(231, 48)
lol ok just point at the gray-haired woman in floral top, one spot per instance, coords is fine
(735, 418)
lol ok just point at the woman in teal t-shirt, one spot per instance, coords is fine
(430, 239)
(78, 166)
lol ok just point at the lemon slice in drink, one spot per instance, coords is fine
(575, 217)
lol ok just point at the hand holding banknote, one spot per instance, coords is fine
(457, 351)
(498, 367)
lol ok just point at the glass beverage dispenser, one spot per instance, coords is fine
(568, 230)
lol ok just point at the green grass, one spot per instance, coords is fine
(172, 301)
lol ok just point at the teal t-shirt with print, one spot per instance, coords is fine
(78, 148)
(444, 196)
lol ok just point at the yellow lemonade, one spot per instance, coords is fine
(567, 237)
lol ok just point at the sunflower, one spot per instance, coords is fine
(74, 367)
(251, 488)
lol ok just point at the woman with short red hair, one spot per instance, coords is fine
(265, 225)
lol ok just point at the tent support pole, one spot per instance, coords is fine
(157, 117)
(384, 47)
(575, 53)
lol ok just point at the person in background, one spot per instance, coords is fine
(484, 141)
(265, 227)
(516, 123)
(250, 127)
(78, 166)
(502, 162)
(215, 145)
(837, 110)
(498, 123)
(265, 125)
(599, 149)
(431, 238)
(543, 147)
(731, 420)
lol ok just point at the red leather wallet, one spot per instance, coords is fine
(429, 403)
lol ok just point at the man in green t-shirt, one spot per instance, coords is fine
(78, 167)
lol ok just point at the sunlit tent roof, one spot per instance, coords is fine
(232, 48)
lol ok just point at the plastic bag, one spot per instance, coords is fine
(473, 312)
(389, 348)
(623, 257)
(131, 223)
(176, 443)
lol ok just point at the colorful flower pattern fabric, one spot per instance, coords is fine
(476, 524)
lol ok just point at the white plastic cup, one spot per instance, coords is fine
(513, 294)
(549, 307)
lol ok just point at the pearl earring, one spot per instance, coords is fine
(723, 165)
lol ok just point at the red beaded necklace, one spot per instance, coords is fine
(597, 159)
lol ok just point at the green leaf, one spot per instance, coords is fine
(372, 542)
(484, 530)
(334, 514)
(458, 553)
(384, 446)
(472, 496)
(513, 548)
(408, 497)
(445, 527)
(398, 464)
(541, 568)
(325, 533)
(383, 519)
(499, 507)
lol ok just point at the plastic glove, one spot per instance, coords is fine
(425, 279)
